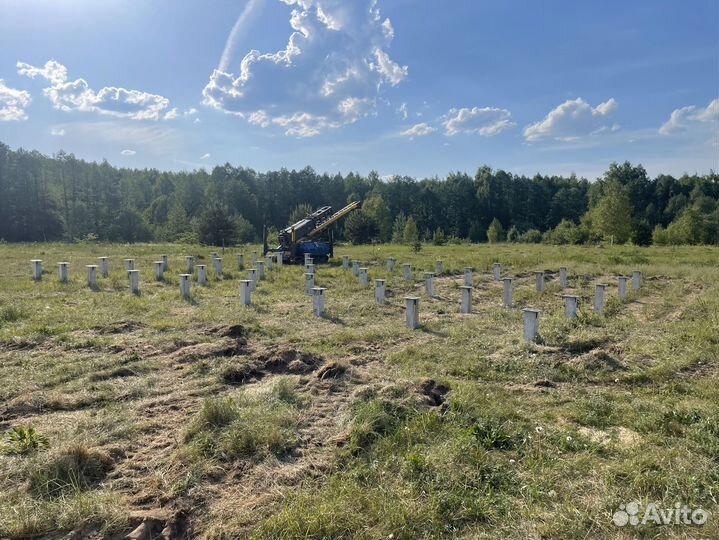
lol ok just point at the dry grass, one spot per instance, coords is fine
(266, 422)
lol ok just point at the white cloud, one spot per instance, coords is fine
(418, 130)
(686, 117)
(57, 132)
(128, 152)
(172, 114)
(76, 95)
(175, 113)
(329, 74)
(205, 156)
(485, 121)
(13, 103)
(390, 70)
(403, 111)
(572, 120)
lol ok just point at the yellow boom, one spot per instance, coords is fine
(334, 218)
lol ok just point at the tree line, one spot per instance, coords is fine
(61, 197)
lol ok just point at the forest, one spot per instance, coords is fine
(63, 198)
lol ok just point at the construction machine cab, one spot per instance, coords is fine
(312, 235)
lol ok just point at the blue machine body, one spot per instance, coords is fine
(316, 250)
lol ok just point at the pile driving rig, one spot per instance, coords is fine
(311, 235)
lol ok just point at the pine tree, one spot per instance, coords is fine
(495, 232)
(216, 227)
(377, 210)
(612, 217)
(411, 234)
(177, 222)
(398, 228)
(360, 228)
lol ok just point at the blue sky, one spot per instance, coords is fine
(416, 87)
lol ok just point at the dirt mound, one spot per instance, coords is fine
(331, 370)
(24, 406)
(40, 403)
(146, 525)
(159, 525)
(580, 346)
(270, 361)
(235, 331)
(201, 351)
(241, 373)
(119, 327)
(598, 360)
(435, 393)
(276, 359)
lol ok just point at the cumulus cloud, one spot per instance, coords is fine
(13, 103)
(572, 120)
(418, 130)
(686, 117)
(172, 114)
(391, 71)
(329, 74)
(485, 121)
(128, 152)
(67, 95)
(176, 113)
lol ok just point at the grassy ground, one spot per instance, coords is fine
(205, 419)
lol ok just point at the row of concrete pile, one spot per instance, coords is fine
(531, 315)
(160, 266)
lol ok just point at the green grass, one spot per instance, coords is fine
(74, 468)
(140, 401)
(22, 440)
(245, 426)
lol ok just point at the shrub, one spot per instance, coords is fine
(492, 434)
(532, 236)
(75, 468)
(11, 313)
(567, 232)
(495, 232)
(659, 236)
(23, 441)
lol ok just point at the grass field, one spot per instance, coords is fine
(204, 419)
